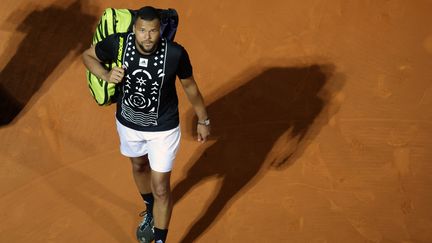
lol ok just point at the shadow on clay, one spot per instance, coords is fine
(50, 34)
(246, 123)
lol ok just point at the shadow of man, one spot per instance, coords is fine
(246, 123)
(50, 34)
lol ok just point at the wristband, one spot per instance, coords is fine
(206, 122)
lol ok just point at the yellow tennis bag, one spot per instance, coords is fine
(120, 21)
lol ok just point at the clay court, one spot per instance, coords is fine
(321, 125)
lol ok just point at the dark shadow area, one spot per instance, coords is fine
(89, 196)
(50, 35)
(246, 123)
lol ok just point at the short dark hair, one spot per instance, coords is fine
(148, 13)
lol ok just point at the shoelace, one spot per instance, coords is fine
(147, 218)
(143, 213)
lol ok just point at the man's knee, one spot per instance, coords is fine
(161, 185)
(141, 164)
(161, 192)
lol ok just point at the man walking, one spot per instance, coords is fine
(147, 107)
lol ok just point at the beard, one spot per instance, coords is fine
(149, 48)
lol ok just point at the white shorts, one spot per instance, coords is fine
(161, 147)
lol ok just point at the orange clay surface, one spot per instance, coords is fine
(321, 113)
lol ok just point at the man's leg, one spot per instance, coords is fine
(142, 175)
(162, 152)
(160, 183)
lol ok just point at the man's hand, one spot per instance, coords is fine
(203, 132)
(94, 65)
(115, 75)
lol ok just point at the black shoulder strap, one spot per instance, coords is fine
(169, 23)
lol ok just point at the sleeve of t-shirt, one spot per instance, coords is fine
(106, 50)
(184, 69)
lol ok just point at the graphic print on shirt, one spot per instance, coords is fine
(143, 84)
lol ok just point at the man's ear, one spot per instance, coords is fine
(133, 28)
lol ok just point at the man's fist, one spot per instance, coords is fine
(115, 75)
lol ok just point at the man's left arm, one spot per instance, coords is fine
(194, 95)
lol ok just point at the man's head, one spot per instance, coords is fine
(147, 29)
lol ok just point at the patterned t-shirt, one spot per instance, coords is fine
(147, 95)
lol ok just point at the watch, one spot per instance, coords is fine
(206, 122)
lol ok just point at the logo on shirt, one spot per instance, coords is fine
(143, 62)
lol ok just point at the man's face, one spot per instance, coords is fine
(147, 35)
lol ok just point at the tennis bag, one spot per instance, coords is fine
(120, 21)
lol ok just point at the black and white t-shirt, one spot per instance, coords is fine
(147, 99)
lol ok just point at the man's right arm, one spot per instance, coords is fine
(95, 66)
